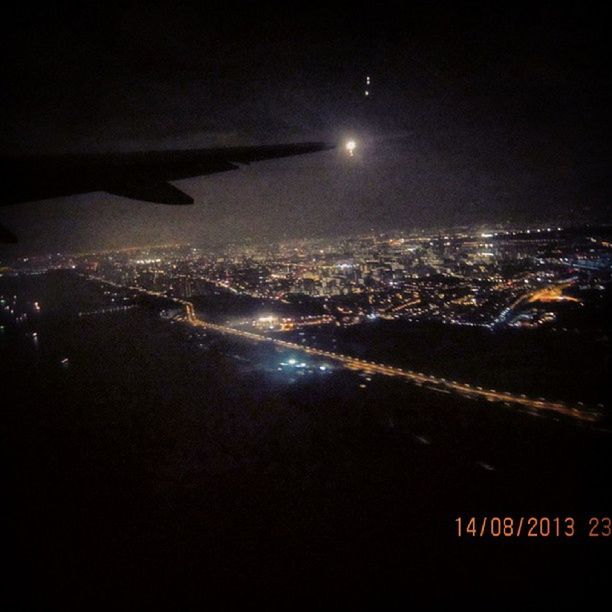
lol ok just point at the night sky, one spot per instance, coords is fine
(479, 114)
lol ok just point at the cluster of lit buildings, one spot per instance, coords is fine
(465, 277)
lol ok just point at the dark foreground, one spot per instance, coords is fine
(160, 467)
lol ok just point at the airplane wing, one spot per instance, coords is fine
(139, 175)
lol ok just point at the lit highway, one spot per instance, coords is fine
(431, 382)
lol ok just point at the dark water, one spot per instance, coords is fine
(161, 467)
(572, 366)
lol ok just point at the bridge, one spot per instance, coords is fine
(430, 381)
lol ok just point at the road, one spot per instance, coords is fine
(435, 383)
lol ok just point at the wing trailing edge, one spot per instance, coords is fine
(157, 192)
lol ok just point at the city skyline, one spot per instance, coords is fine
(548, 278)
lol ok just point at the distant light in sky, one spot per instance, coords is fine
(350, 147)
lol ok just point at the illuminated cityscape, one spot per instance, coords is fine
(518, 278)
(300, 294)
